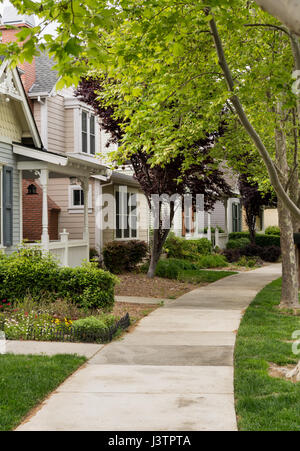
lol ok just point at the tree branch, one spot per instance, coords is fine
(280, 191)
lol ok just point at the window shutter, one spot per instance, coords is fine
(240, 217)
(7, 206)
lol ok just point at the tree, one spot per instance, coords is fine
(252, 199)
(287, 11)
(169, 179)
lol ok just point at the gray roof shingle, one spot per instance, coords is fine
(46, 77)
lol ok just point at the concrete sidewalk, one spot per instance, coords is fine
(173, 372)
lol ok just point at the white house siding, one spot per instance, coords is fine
(56, 124)
(217, 216)
(10, 129)
(8, 159)
(72, 221)
(270, 217)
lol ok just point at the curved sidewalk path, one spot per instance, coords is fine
(173, 372)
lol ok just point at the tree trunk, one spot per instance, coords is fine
(289, 294)
(290, 286)
(159, 237)
(287, 11)
(157, 246)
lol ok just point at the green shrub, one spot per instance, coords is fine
(121, 256)
(211, 261)
(260, 238)
(28, 272)
(272, 230)
(267, 240)
(87, 285)
(213, 229)
(171, 268)
(181, 248)
(238, 243)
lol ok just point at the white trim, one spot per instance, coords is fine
(73, 102)
(40, 155)
(21, 204)
(89, 114)
(44, 122)
(79, 208)
(117, 188)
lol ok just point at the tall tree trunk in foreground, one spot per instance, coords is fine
(290, 286)
(287, 11)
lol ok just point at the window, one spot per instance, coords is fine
(236, 217)
(88, 133)
(76, 197)
(31, 189)
(126, 214)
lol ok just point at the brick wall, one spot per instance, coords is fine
(32, 214)
(28, 78)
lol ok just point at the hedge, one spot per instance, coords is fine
(260, 238)
(28, 272)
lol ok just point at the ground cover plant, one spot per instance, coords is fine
(265, 403)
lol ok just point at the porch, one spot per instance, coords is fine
(41, 166)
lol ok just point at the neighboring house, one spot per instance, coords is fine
(226, 215)
(92, 208)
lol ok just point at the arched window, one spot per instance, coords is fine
(31, 189)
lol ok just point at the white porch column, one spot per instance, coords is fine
(21, 204)
(64, 238)
(85, 187)
(44, 183)
(208, 227)
(226, 214)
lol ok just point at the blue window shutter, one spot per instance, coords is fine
(7, 206)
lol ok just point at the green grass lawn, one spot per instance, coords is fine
(264, 403)
(201, 276)
(25, 380)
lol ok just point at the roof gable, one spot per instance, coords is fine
(12, 89)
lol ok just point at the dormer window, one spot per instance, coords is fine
(88, 133)
(31, 189)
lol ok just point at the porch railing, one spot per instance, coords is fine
(67, 252)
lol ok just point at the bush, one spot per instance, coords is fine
(28, 272)
(171, 268)
(232, 255)
(211, 261)
(260, 238)
(238, 243)
(88, 286)
(181, 248)
(121, 256)
(267, 240)
(251, 250)
(272, 230)
(270, 254)
(213, 229)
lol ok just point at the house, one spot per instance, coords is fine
(23, 157)
(88, 204)
(226, 216)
